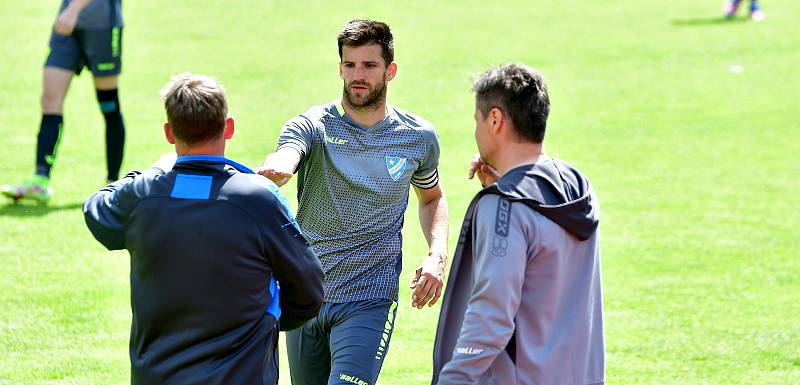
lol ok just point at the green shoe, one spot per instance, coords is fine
(36, 188)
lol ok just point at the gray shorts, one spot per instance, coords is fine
(344, 344)
(100, 50)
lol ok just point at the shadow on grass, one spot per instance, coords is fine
(706, 21)
(31, 210)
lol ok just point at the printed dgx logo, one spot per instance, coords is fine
(396, 166)
(502, 218)
(501, 224)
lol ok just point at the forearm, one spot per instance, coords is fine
(433, 221)
(294, 265)
(281, 165)
(482, 339)
(288, 156)
(104, 215)
(496, 293)
(489, 320)
(78, 5)
(429, 278)
(296, 314)
(302, 285)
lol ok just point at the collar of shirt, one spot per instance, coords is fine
(379, 125)
(214, 159)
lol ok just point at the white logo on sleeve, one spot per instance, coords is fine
(470, 351)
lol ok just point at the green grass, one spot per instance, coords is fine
(696, 167)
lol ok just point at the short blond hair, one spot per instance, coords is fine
(196, 107)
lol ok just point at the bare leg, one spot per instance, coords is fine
(54, 88)
(105, 83)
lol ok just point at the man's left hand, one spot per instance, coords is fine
(429, 280)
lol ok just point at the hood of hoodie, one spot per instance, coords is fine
(556, 190)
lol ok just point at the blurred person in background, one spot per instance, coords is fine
(756, 14)
(86, 33)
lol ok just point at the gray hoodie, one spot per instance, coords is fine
(523, 303)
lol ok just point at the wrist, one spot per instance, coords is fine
(438, 254)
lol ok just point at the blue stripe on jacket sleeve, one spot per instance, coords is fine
(274, 308)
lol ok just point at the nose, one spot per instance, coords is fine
(361, 73)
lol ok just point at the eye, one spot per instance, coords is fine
(348, 65)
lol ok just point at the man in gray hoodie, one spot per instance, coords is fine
(523, 303)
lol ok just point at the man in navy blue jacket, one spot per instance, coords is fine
(216, 257)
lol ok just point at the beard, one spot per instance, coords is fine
(369, 101)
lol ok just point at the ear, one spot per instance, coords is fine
(229, 128)
(498, 120)
(391, 71)
(341, 75)
(168, 133)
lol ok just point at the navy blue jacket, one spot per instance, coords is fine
(208, 240)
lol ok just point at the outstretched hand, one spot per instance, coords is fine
(428, 280)
(486, 173)
(166, 161)
(276, 169)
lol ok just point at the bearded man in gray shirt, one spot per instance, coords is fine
(356, 159)
(523, 304)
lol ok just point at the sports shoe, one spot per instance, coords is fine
(756, 15)
(37, 188)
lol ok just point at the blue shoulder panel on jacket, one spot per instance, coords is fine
(192, 186)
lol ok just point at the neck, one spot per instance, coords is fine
(216, 148)
(365, 116)
(517, 154)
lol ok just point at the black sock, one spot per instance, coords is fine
(47, 143)
(115, 131)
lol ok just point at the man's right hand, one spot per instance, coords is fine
(279, 166)
(486, 173)
(66, 21)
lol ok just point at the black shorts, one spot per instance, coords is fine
(100, 50)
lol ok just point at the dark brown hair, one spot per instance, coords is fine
(357, 33)
(520, 93)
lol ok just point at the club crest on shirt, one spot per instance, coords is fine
(396, 166)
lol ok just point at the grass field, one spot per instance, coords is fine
(695, 161)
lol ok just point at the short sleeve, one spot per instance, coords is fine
(427, 175)
(297, 133)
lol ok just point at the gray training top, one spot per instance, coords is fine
(523, 303)
(353, 186)
(98, 14)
